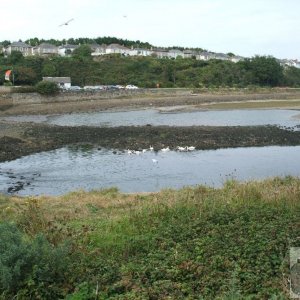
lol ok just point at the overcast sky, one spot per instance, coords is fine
(244, 27)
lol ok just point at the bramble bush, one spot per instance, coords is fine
(31, 268)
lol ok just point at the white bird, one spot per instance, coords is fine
(144, 150)
(66, 23)
(165, 149)
(155, 161)
(137, 152)
(181, 149)
(151, 148)
(129, 151)
(191, 148)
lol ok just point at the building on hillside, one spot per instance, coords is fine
(160, 53)
(205, 56)
(189, 53)
(19, 46)
(62, 82)
(236, 58)
(98, 49)
(174, 53)
(221, 56)
(117, 49)
(66, 50)
(140, 52)
(45, 50)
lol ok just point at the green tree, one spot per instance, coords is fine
(266, 71)
(24, 75)
(292, 76)
(82, 52)
(15, 57)
(47, 88)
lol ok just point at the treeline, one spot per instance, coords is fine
(80, 41)
(149, 71)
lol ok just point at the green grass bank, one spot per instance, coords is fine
(193, 243)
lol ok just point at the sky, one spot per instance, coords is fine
(246, 28)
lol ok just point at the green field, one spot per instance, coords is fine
(193, 243)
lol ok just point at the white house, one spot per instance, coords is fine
(98, 49)
(174, 53)
(236, 58)
(116, 48)
(62, 82)
(189, 53)
(161, 53)
(66, 50)
(205, 56)
(19, 46)
(45, 49)
(140, 52)
(221, 56)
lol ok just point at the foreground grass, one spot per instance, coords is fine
(195, 243)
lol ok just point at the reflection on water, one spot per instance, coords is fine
(154, 117)
(67, 169)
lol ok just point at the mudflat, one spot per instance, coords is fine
(19, 139)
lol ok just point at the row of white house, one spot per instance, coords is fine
(45, 49)
(97, 50)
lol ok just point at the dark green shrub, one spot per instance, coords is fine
(31, 268)
(47, 88)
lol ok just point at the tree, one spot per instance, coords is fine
(47, 88)
(82, 52)
(15, 57)
(24, 75)
(266, 71)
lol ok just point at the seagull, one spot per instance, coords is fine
(155, 161)
(66, 23)
(151, 148)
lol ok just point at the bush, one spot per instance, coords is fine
(24, 89)
(31, 268)
(47, 88)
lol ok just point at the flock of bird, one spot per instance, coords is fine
(167, 149)
(180, 149)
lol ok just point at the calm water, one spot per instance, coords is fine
(154, 117)
(67, 169)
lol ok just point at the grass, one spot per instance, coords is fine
(193, 243)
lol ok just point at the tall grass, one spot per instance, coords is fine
(229, 243)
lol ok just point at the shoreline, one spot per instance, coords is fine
(82, 102)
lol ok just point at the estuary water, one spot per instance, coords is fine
(71, 168)
(165, 116)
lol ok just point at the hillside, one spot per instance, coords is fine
(149, 72)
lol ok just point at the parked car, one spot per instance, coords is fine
(131, 87)
(74, 88)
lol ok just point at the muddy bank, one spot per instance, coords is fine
(142, 101)
(17, 141)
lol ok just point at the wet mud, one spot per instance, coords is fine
(16, 142)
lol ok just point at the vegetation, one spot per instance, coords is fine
(195, 243)
(149, 71)
(47, 88)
